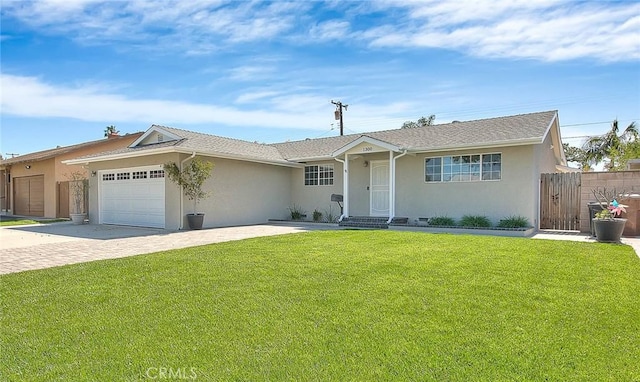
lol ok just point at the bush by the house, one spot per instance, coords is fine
(475, 221)
(329, 216)
(514, 221)
(296, 212)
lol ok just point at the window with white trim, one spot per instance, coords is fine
(318, 175)
(463, 168)
(110, 176)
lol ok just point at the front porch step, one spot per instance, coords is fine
(369, 222)
(372, 222)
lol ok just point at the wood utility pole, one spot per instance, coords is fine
(338, 113)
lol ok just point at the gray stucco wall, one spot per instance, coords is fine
(242, 192)
(246, 193)
(310, 198)
(514, 194)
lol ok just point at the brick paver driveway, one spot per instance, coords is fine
(48, 245)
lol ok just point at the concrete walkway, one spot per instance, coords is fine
(41, 246)
(634, 242)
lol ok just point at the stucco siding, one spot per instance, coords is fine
(514, 194)
(359, 175)
(241, 192)
(316, 197)
(244, 193)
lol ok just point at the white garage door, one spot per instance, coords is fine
(132, 196)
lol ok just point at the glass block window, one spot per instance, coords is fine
(139, 175)
(320, 175)
(463, 168)
(156, 174)
(123, 176)
(110, 176)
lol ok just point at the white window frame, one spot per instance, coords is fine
(323, 175)
(465, 168)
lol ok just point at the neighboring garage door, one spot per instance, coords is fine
(28, 195)
(133, 196)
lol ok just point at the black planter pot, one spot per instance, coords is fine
(195, 221)
(609, 230)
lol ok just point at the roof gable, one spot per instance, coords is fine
(155, 134)
(365, 144)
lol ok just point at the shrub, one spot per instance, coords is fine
(442, 221)
(329, 217)
(475, 221)
(317, 215)
(514, 221)
(297, 213)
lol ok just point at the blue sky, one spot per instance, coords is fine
(267, 71)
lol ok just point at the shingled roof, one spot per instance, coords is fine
(501, 131)
(52, 153)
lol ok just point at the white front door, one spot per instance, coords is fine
(379, 190)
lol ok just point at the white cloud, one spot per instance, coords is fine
(549, 30)
(255, 96)
(329, 30)
(33, 98)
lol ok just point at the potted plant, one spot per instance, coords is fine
(191, 178)
(78, 185)
(608, 228)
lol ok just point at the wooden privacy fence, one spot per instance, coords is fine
(560, 201)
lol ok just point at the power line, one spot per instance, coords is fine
(598, 123)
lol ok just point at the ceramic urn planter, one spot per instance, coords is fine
(609, 230)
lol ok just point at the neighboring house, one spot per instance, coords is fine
(37, 184)
(487, 167)
(633, 165)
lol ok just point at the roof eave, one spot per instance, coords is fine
(474, 146)
(173, 149)
(125, 155)
(311, 159)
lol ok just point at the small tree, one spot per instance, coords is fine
(611, 145)
(191, 178)
(578, 155)
(421, 122)
(110, 130)
(78, 186)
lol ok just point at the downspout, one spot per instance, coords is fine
(392, 200)
(7, 172)
(345, 187)
(182, 192)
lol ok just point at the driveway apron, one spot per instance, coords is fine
(48, 245)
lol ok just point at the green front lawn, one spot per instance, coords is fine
(4, 222)
(332, 305)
